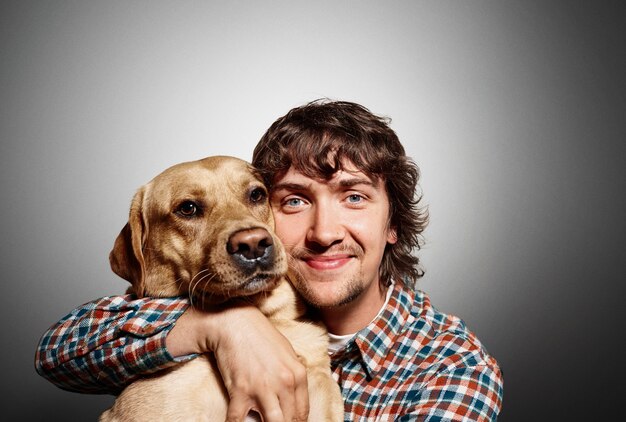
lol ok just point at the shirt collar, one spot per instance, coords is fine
(375, 340)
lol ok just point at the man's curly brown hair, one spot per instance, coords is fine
(316, 138)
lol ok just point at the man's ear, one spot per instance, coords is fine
(392, 236)
(126, 258)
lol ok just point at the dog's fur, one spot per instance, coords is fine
(204, 229)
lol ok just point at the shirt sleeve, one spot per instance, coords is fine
(461, 394)
(104, 345)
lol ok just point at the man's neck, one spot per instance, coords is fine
(355, 315)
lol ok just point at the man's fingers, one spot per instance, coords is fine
(287, 400)
(301, 395)
(238, 408)
(293, 394)
(271, 410)
(260, 369)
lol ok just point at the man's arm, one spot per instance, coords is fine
(104, 345)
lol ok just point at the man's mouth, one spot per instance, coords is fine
(327, 262)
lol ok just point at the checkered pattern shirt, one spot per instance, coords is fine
(412, 363)
(104, 345)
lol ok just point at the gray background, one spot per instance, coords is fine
(514, 111)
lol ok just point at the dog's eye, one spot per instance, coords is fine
(257, 195)
(188, 209)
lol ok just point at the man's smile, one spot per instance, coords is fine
(327, 262)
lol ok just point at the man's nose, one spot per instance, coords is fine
(325, 228)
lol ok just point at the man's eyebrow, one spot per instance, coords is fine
(353, 181)
(289, 186)
(344, 183)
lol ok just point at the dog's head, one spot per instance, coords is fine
(202, 229)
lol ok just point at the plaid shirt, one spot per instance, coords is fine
(411, 363)
(414, 363)
(104, 345)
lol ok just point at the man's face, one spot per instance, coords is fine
(336, 231)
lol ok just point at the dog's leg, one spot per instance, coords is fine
(327, 405)
(310, 343)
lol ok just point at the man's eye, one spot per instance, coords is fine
(188, 209)
(355, 199)
(293, 202)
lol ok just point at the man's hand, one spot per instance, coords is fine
(258, 365)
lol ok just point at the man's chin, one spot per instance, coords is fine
(328, 294)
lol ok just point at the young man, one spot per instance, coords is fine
(343, 195)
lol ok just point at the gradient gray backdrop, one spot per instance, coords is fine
(514, 111)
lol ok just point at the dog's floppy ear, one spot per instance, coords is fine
(126, 258)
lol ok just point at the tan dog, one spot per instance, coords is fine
(204, 229)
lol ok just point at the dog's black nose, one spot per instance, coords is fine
(250, 244)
